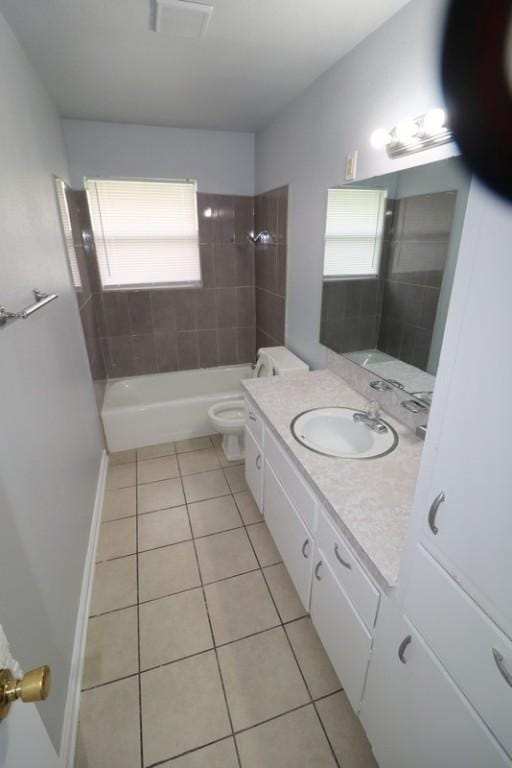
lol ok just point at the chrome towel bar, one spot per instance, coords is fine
(41, 300)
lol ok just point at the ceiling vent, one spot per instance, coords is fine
(182, 18)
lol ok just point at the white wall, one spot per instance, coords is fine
(50, 446)
(221, 161)
(391, 74)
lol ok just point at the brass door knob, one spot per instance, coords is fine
(34, 686)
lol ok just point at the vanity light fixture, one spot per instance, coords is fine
(414, 134)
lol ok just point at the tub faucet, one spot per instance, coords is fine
(371, 418)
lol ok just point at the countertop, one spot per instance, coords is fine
(370, 501)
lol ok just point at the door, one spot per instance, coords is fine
(472, 528)
(24, 740)
(414, 714)
(291, 536)
(344, 636)
(254, 468)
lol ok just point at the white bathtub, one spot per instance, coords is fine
(163, 407)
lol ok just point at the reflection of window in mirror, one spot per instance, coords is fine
(67, 232)
(353, 233)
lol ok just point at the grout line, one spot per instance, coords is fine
(213, 640)
(311, 697)
(109, 682)
(141, 735)
(283, 625)
(202, 585)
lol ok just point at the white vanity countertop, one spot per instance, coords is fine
(369, 500)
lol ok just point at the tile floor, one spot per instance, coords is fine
(199, 653)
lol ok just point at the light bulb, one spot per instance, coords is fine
(208, 213)
(406, 130)
(380, 138)
(434, 121)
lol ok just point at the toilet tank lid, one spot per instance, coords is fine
(283, 360)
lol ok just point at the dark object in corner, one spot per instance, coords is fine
(477, 89)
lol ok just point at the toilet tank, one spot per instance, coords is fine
(282, 360)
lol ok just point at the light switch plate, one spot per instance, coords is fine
(351, 166)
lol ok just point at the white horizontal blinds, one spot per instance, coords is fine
(67, 232)
(353, 233)
(146, 232)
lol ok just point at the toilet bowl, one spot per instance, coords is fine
(228, 416)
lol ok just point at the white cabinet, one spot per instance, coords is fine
(470, 527)
(473, 464)
(254, 468)
(474, 650)
(293, 540)
(414, 715)
(359, 588)
(343, 634)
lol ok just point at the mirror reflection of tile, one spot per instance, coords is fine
(393, 324)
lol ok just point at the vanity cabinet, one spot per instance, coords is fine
(291, 536)
(413, 712)
(343, 634)
(253, 442)
(342, 599)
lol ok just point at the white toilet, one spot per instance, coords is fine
(228, 416)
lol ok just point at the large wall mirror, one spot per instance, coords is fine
(391, 247)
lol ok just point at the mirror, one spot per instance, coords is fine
(391, 247)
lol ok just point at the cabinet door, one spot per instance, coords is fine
(344, 636)
(414, 714)
(291, 536)
(473, 460)
(254, 468)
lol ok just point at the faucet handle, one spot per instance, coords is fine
(373, 409)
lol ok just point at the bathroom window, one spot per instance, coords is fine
(67, 232)
(353, 233)
(146, 232)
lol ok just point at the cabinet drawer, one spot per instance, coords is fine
(298, 490)
(254, 423)
(290, 535)
(344, 636)
(463, 638)
(362, 592)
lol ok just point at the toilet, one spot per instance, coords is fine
(228, 416)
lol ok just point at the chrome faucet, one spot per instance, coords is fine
(371, 418)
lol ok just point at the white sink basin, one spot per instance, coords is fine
(334, 432)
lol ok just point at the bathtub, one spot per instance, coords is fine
(163, 407)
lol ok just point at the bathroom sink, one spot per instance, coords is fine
(335, 432)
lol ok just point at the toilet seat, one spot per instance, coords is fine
(228, 414)
(228, 418)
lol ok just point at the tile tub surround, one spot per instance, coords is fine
(369, 500)
(160, 330)
(88, 291)
(271, 213)
(222, 669)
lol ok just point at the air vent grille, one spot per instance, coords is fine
(182, 18)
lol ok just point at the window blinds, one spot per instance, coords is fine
(353, 233)
(67, 232)
(146, 232)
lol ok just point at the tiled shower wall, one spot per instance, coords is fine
(271, 213)
(150, 331)
(87, 293)
(414, 274)
(395, 312)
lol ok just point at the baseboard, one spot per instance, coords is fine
(68, 742)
